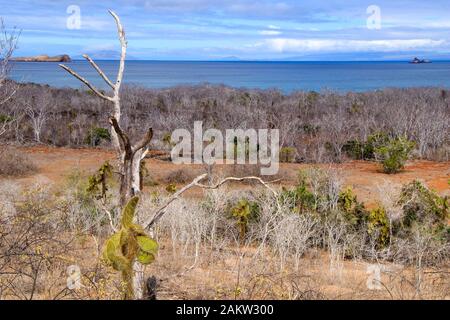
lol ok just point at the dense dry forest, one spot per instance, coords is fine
(314, 127)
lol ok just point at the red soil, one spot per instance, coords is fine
(54, 164)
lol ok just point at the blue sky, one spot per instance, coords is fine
(246, 29)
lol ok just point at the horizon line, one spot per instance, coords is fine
(249, 60)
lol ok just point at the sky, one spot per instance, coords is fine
(303, 30)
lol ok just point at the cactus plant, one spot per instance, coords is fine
(128, 245)
(243, 212)
(97, 184)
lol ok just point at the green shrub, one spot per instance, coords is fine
(379, 226)
(311, 129)
(98, 183)
(287, 154)
(5, 118)
(353, 210)
(365, 150)
(423, 205)
(394, 154)
(311, 98)
(96, 135)
(167, 139)
(77, 195)
(300, 199)
(354, 149)
(171, 188)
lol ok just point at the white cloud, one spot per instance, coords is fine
(269, 32)
(315, 45)
(271, 26)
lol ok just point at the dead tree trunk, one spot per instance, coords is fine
(129, 155)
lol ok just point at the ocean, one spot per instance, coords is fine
(285, 76)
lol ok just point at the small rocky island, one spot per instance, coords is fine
(44, 58)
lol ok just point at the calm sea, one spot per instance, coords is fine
(286, 76)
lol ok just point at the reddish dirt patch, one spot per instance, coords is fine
(364, 177)
(54, 164)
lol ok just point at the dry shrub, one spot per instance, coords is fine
(13, 162)
(178, 177)
(33, 246)
(254, 170)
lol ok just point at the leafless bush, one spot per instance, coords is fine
(83, 213)
(318, 125)
(203, 235)
(13, 162)
(179, 176)
(292, 237)
(32, 246)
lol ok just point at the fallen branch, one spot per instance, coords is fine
(196, 183)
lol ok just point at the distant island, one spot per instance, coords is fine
(417, 61)
(44, 58)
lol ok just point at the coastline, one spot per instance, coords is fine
(286, 77)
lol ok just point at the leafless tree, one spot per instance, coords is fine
(8, 43)
(38, 111)
(129, 155)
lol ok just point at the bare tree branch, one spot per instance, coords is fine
(123, 137)
(160, 212)
(129, 156)
(144, 141)
(228, 179)
(8, 43)
(123, 53)
(90, 86)
(110, 218)
(196, 183)
(100, 72)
